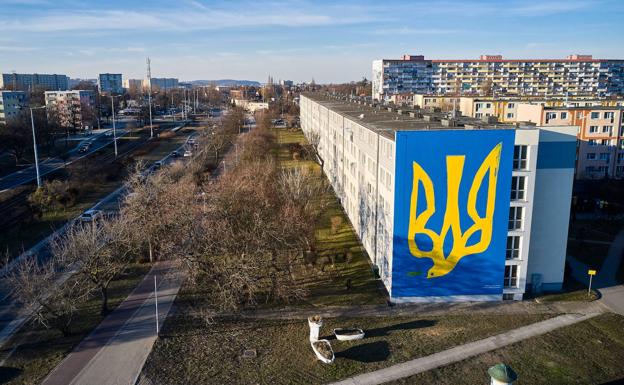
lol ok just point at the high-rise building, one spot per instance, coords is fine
(27, 82)
(110, 84)
(449, 209)
(73, 109)
(162, 83)
(12, 104)
(491, 74)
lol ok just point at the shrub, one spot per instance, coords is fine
(336, 222)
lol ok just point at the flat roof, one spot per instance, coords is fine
(386, 123)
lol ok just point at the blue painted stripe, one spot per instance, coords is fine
(556, 154)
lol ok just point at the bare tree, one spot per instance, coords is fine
(314, 140)
(99, 251)
(46, 293)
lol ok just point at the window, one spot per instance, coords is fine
(620, 156)
(520, 157)
(551, 115)
(595, 115)
(513, 247)
(488, 105)
(608, 115)
(604, 142)
(589, 169)
(511, 105)
(510, 115)
(592, 142)
(515, 218)
(593, 129)
(478, 115)
(511, 276)
(564, 115)
(517, 187)
(604, 156)
(591, 156)
(607, 129)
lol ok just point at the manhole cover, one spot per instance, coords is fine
(250, 353)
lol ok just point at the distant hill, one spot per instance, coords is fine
(225, 82)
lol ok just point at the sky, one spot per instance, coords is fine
(328, 41)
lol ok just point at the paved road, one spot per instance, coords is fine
(114, 353)
(462, 352)
(29, 174)
(11, 317)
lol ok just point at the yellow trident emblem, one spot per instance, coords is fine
(442, 264)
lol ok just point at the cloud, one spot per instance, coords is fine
(415, 31)
(194, 17)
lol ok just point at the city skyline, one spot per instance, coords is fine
(298, 41)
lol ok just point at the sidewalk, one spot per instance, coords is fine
(462, 352)
(114, 353)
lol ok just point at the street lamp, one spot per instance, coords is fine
(32, 122)
(114, 131)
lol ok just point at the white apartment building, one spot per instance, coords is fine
(574, 75)
(73, 109)
(388, 168)
(12, 104)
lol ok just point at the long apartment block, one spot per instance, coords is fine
(575, 75)
(449, 209)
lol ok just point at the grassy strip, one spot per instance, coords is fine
(38, 351)
(590, 352)
(346, 277)
(213, 354)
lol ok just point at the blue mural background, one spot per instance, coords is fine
(477, 274)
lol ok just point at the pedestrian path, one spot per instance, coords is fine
(462, 352)
(114, 353)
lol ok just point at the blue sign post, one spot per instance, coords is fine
(452, 196)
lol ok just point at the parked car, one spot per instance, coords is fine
(174, 154)
(191, 141)
(90, 215)
(84, 148)
(108, 133)
(157, 165)
(187, 153)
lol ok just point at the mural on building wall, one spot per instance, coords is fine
(451, 210)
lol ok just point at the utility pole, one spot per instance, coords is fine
(114, 132)
(32, 121)
(149, 95)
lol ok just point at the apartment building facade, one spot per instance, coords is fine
(12, 105)
(575, 75)
(73, 109)
(27, 82)
(136, 84)
(600, 151)
(390, 174)
(110, 84)
(162, 83)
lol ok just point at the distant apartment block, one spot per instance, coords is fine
(12, 104)
(575, 75)
(27, 82)
(413, 184)
(600, 151)
(136, 84)
(73, 109)
(110, 83)
(162, 83)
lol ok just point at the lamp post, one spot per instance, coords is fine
(32, 122)
(114, 130)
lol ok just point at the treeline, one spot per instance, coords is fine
(238, 226)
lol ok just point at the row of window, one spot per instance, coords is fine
(602, 156)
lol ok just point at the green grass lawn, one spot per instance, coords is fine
(38, 351)
(189, 352)
(590, 352)
(329, 287)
